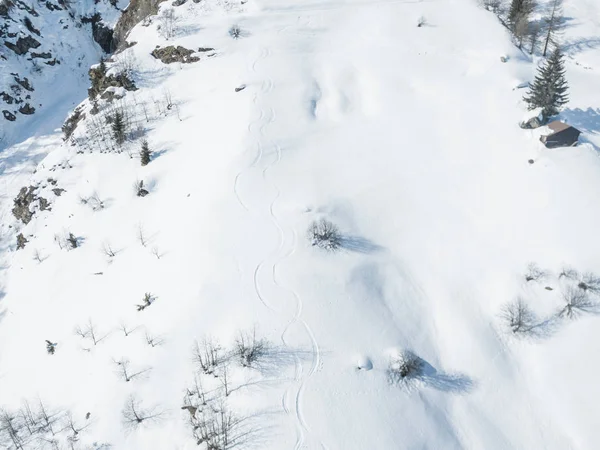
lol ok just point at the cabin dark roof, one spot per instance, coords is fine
(557, 126)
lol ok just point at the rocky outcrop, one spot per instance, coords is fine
(71, 123)
(101, 81)
(9, 116)
(21, 241)
(27, 109)
(173, 54)
(137, 11)
(102, 34)
(23, 45)
(22, 202)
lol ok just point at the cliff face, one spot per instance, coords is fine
(46, 49)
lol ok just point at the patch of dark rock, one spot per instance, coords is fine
(30, 27)
(9, 116)
(71, 123)
(178, 2)
(206, 49)
(7, 98)
(44, 204)
(53, 7)
(102, 34)
(25, 198)
(58, 191)
(44, 55)
(27, 109)
(23, 45)
(135, 13)
(240, 88)
(21, 241)
(53, 62)
(173, 54)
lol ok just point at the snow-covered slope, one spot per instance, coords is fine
(407, 139)
(46, 49)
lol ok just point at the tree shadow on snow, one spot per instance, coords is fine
(359, 245)
(456, 383)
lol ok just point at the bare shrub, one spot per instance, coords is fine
(518, 317)
(108, 250)
(208, 355)
(405, 367)
(324, 234)
(153, 341)
(94, 202)
(577, 302)
(89, 331)
(141, 236)
(218, 428)
(125, 371)
(534, 273)
(569, 273)
(421, 22)
(590, 282)
(235, 32)
(249, 349)
(134, 414)
(168, 23)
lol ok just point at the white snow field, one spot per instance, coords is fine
(407, 139)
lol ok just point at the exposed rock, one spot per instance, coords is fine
(9, 116)
(30, 26)
(5, 8)
(240, 88)
(173, 54)
(102, 34)
(27, 109)
(53, 62)
(110, 95)
(23, 82)
(53, 7)
(7, 98)
(206, 49)
(178, 2)
(21, 209)
(100, 81)
(71, 123)
(44, 55)
(137, 11)
(21, 241)
(23, 45)
(58, 191)
(44, 204)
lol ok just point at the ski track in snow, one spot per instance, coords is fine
(297, 389)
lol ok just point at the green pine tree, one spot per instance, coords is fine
(118, 128)
(549, 90)
(145, 153)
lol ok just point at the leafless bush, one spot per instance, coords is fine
(534, 273)
(126, 330)
(37, 256)
(66, 241)
(405, 367)
(324, 234)
(577, 302)
(218, 428)
(494, 6)
(141, 236)
(147, 301)
(235, 32)
(250, 349)
(518, 317)
(153, 341)
(88, 331)
(93, 202)
(108, 250)
(224, 379)
(421, 22)
(208, 355)
(134, 414)
(125, 371)
(569, 273)
(590, 282)
(168, 23)
(156, 252)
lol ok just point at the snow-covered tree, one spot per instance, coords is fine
(549, 89)
(118, 128)
(145, 153)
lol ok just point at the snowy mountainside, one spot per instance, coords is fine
(276, 114)
(46, 49)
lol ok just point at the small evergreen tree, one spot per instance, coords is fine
(549, 90)
(118, 128)
(145, 153)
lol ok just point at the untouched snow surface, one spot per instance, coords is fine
(404, 137)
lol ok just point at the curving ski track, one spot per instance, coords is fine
(296, 390)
